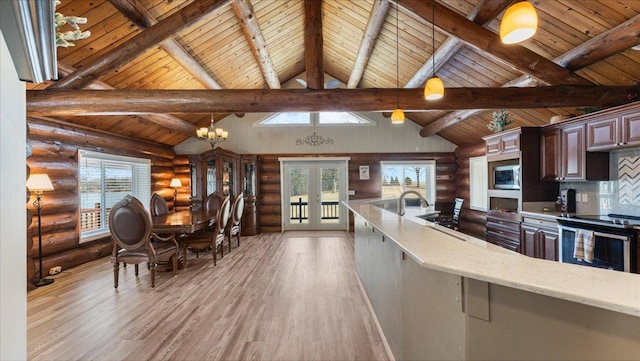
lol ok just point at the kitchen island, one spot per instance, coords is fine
(440, 294)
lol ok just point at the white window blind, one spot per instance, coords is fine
(478, 183)
(104, 180)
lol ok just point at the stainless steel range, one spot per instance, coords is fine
(614, 237)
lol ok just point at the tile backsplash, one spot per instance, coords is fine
(621, 195)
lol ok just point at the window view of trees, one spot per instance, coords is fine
(400, 177)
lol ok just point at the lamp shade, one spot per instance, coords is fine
(519, 23)
(434, 89)
(175, 183)
(39, 183)
(397, 117)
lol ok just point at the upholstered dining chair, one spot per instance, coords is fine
(158, 206)
(236, 218)
(214, 240)
(211, 205)
(130, 227)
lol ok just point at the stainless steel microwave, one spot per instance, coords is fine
(506, 177)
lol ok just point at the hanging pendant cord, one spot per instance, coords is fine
(433, 35)
(397, 58)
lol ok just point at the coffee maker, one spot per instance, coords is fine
(568, 199)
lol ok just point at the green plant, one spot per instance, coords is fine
(64, 38)
(499, 121)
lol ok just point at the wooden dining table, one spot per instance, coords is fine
(181, 222)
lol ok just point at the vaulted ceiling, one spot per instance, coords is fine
(582, 49)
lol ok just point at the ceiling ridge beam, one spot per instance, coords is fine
(139, 101)
(516, 56)
(624, 35)
(139, 15)
(372, 31)
(486, 11)
(243, 11)
(140, 43)
(313, 41)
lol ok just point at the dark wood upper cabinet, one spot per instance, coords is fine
(630, 129)
(503, 143)
(572, 150)
(549, 152)
(613, 131)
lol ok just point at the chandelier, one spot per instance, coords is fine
(212, 135)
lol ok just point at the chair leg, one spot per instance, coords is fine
(175, 264)
(215, 255)
(153, 275)
(229, 244)
(238, 235)
(116, 269)
(222, 249)
(184, 255)
(136, 269)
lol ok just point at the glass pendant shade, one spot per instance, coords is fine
(397, 117)
(519, 23)
(434, 89)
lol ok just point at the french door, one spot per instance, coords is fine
(312, 192)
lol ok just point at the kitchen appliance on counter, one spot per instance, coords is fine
(615, 240)
(568, 200)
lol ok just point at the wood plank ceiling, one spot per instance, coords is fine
(260, 44)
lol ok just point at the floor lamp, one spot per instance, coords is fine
(175, 184)
(38, 183)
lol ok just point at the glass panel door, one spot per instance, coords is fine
(297, 183)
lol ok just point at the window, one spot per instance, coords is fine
(310, 119)
(478, 183)
(104, 180)
(398, 177)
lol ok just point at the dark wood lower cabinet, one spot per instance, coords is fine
(503, 229)
(539, 242)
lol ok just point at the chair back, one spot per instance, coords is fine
(237, 210)
(212, 204)
(456, 209)
(158, 206)
(223, 216)
(129, 223)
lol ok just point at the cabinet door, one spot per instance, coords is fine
(602, 134)
(492, 146)
(528, 240)
(549, 152)
(548, 241)
(630, 130)
(573, 153)
(510, 142)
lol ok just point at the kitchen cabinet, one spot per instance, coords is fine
(503, 229)
(539, 238)
(564, 156)
(614, 132)
(503, 143)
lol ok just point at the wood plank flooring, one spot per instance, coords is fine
(280, 296)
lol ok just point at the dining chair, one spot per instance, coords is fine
(158, 206)
(130, 227)
(204, 240)
(452, 221)
(236, 217)
(211, 205)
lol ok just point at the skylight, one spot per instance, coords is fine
(323, 118)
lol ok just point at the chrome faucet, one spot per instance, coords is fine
(400, 205)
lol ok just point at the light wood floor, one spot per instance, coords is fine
(284, 296)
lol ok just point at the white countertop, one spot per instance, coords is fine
(442, 249)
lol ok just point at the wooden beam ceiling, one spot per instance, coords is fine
(243, 11)
(140, 43)
(600, 47)
(102, 102)
(371, 33)
(313, 40)
(140, 16)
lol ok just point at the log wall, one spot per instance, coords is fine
(55, 147)
(269, 206)
(471, 221)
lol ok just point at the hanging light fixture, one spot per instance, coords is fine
(211, 134)
(434, 88)
(519, 23)
(397, 117)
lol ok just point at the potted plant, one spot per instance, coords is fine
(499, 121)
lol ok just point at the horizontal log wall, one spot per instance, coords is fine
(269, 206)
(471, 221)
(55, 147)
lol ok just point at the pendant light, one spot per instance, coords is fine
(519, 23)
(434, 88)
(397, 117)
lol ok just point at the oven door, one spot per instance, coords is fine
(611, 251)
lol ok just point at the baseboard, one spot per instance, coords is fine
(375, 319)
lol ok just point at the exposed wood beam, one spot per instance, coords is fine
(139, 15)
(164, 120)
(371, 33)
(482, 14)
(140, 43)
(313, 44)
(103, 102)
(243, 11)
(624, 35)
(475, 35)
